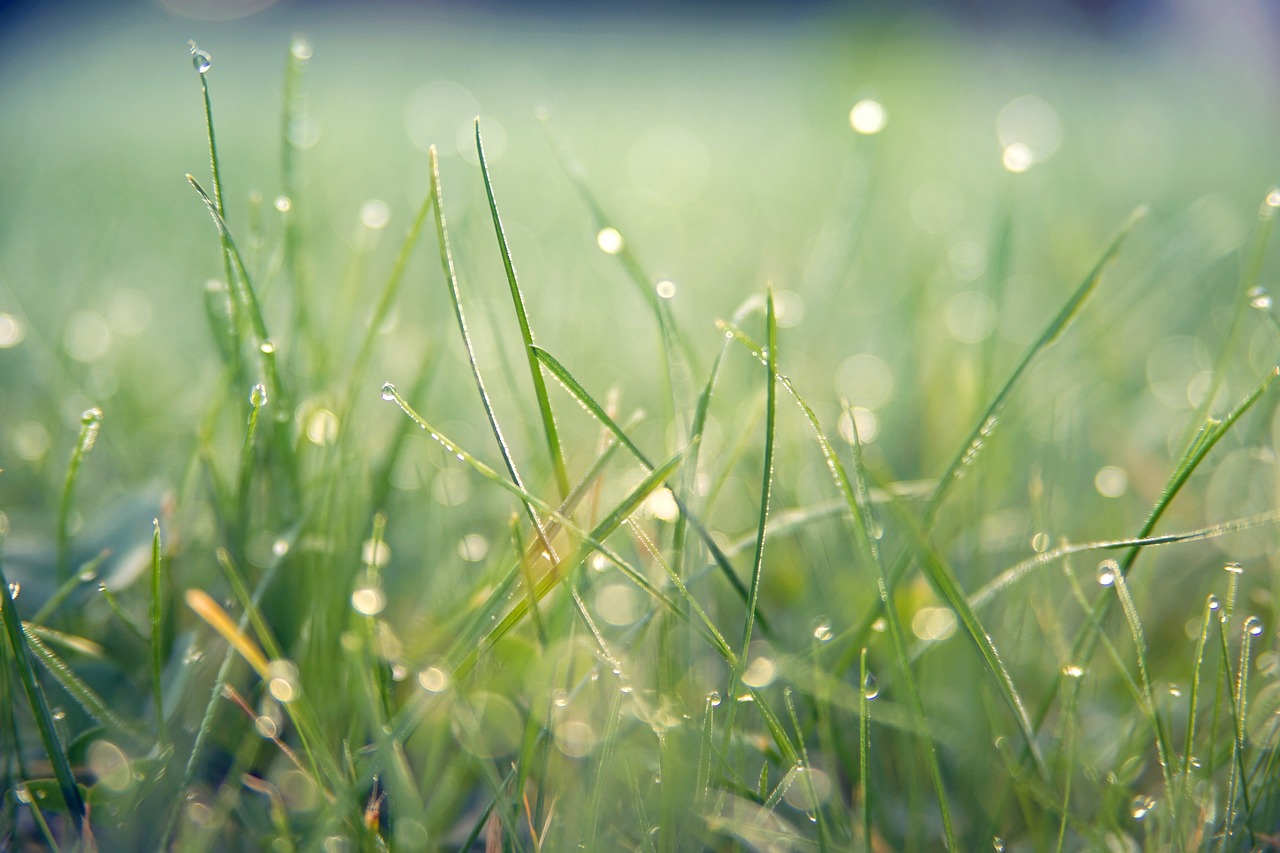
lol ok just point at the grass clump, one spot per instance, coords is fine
(360, 632)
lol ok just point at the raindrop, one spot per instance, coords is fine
(267, 347)
(1259, 298)
(1273, 197)
(1233, 568)
(301, 48)
(200, 60)
(91, 417)
(1073, 670)
(14, 589)
(22, 793)
(258, 396)
(283, 203)
(997, 844)
(1213, 602)
(713, 699)
(1253, 626)
(666, 288)
(388, 391)
(89, 573)
(870, 687)
(1108, 570)
(1175, 691)
(822, 630)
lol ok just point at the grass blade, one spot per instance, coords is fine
(90, 425)
(22, 655)
(526, 333)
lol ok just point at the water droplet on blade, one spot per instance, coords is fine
(1108, 571)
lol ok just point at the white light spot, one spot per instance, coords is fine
(31, 440)
(322, 427)
(283, 684)
(760, 673)
(666, 288)
(11, 331)
(864, 419)
(868, 117)
(473, 547)
(1031, 124)
(609, 240)
(374, 214)
(1017, 157)
(283, 203)
(1111, 481)
(433, 679)
(375, 553)
(932, 624)
(662, 505)
(618, 603)
(368, 600)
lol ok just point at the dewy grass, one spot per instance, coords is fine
(392, 642)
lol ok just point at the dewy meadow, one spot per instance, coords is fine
(731, 450)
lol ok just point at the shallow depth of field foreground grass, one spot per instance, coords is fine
(899, 481)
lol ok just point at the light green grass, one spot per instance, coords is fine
(662, 586)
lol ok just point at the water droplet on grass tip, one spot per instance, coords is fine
(666, 289)
(1108, 570)
(1233, 568)
(1273, 197)
(388, 391)
(91, 417)
(200, 60)
(997, 844)
(713, 699)
(1213, 602)
(300, 49)
(267, 347)
(1253, 626)
(258, 396)
(870, 687)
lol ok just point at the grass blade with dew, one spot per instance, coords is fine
(554, 449)
(1184, 791)
(864, 747)
(1210, 434)
(157, 638)
(202, 62)
(1163, 751)
(242, 286)
(1252, 628)
(855, 493)
(579, 393)
(22, 656)
(451, 278)
(295, 120)
(90, 425)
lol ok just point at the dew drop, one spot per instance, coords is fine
(283, 683)
(610, 240)
(1213, 602)
(868, 117)
(301, 48)
(1073, 670)
(283, 203)
(433, 679)
(368, 600)
(870, 687)
(1142, 806)
(22, 793)
(666, 288)
(1253, 626)
(713, 699)
(258, 396)
(59, 713)
(14, 589)
(388, 391)
(1233, 568)
(267, 347)
(822, 631)
(1107, 572)
(91, 417)
(1273, 197)
(1040, 542)
(997, 844)
(89, 573)
(1175, 691)
(200, 60)
(1259, 298)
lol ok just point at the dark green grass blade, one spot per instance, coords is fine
(451, 278)
(554, 449)
(157, 638)
(39, 704)
(570, 384)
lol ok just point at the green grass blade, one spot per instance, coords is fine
(579, 393)
(864, 749)
(90, 425)
(451, 278)
(157, 638)
(22, 655)
(554, 449)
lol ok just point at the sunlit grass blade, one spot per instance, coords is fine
(455, 297)
(22, 657)
(526, 333)
(90, 425)
(579, 393)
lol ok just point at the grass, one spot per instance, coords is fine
(446, 564)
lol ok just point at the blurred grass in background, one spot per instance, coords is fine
(723, 152)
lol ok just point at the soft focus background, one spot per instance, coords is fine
(723, 143)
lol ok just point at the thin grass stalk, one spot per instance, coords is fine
(22, 656)
(1240, 710)
(554, 450)
(864, 748)
(90, 425)
(157, 638)
(1193, 707)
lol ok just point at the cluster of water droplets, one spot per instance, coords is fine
(90, 425)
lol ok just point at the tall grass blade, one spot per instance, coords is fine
(90, 425)
(157, 638)
(554, 449)
(53, 747)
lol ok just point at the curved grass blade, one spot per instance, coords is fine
(451, 278)
(22, 655)
(570, 384)
(90, 425)
(554, 449)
